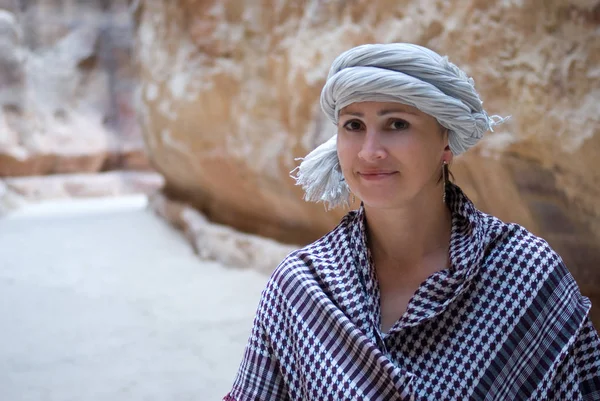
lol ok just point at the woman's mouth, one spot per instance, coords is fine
(376, 175)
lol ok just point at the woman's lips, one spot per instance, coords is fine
(376, 176)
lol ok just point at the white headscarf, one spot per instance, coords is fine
(396, 72)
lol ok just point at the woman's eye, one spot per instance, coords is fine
(353, 125)
(399, 124)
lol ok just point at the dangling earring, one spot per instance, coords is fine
(351, 199)
(445, 174)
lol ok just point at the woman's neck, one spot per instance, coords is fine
(407, 236)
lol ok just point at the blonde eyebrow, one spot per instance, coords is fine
(347, 113)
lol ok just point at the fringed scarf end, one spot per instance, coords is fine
(320, 176)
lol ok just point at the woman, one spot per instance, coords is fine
(417, 295)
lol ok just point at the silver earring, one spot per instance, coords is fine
(445, 175)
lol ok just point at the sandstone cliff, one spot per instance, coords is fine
(229, 98)
(66, 88)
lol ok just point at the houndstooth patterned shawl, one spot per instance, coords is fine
(505, 322)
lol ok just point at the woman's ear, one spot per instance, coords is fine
(447, 154)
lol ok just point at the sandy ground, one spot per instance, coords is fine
(101, 300)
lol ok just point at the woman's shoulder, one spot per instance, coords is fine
(306, 264)
(496, 243)
(515, 241)
(526, 260)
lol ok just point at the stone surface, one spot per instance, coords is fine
(220, 243)
(66, 89)
(17, 192)
(229, 98)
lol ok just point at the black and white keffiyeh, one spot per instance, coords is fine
(505, 322)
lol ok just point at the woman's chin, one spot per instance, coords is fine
(379, 202)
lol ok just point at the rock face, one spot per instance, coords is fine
(20, 191)
(220, 243)
(229, 98)
(66, 89)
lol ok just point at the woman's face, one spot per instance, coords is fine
(391, 153)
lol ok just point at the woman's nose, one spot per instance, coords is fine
(372, 149)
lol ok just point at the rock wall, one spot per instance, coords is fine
(229, 98)
(66, 88)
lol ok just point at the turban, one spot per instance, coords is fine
(397, 72)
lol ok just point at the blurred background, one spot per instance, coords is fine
(145, 147)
